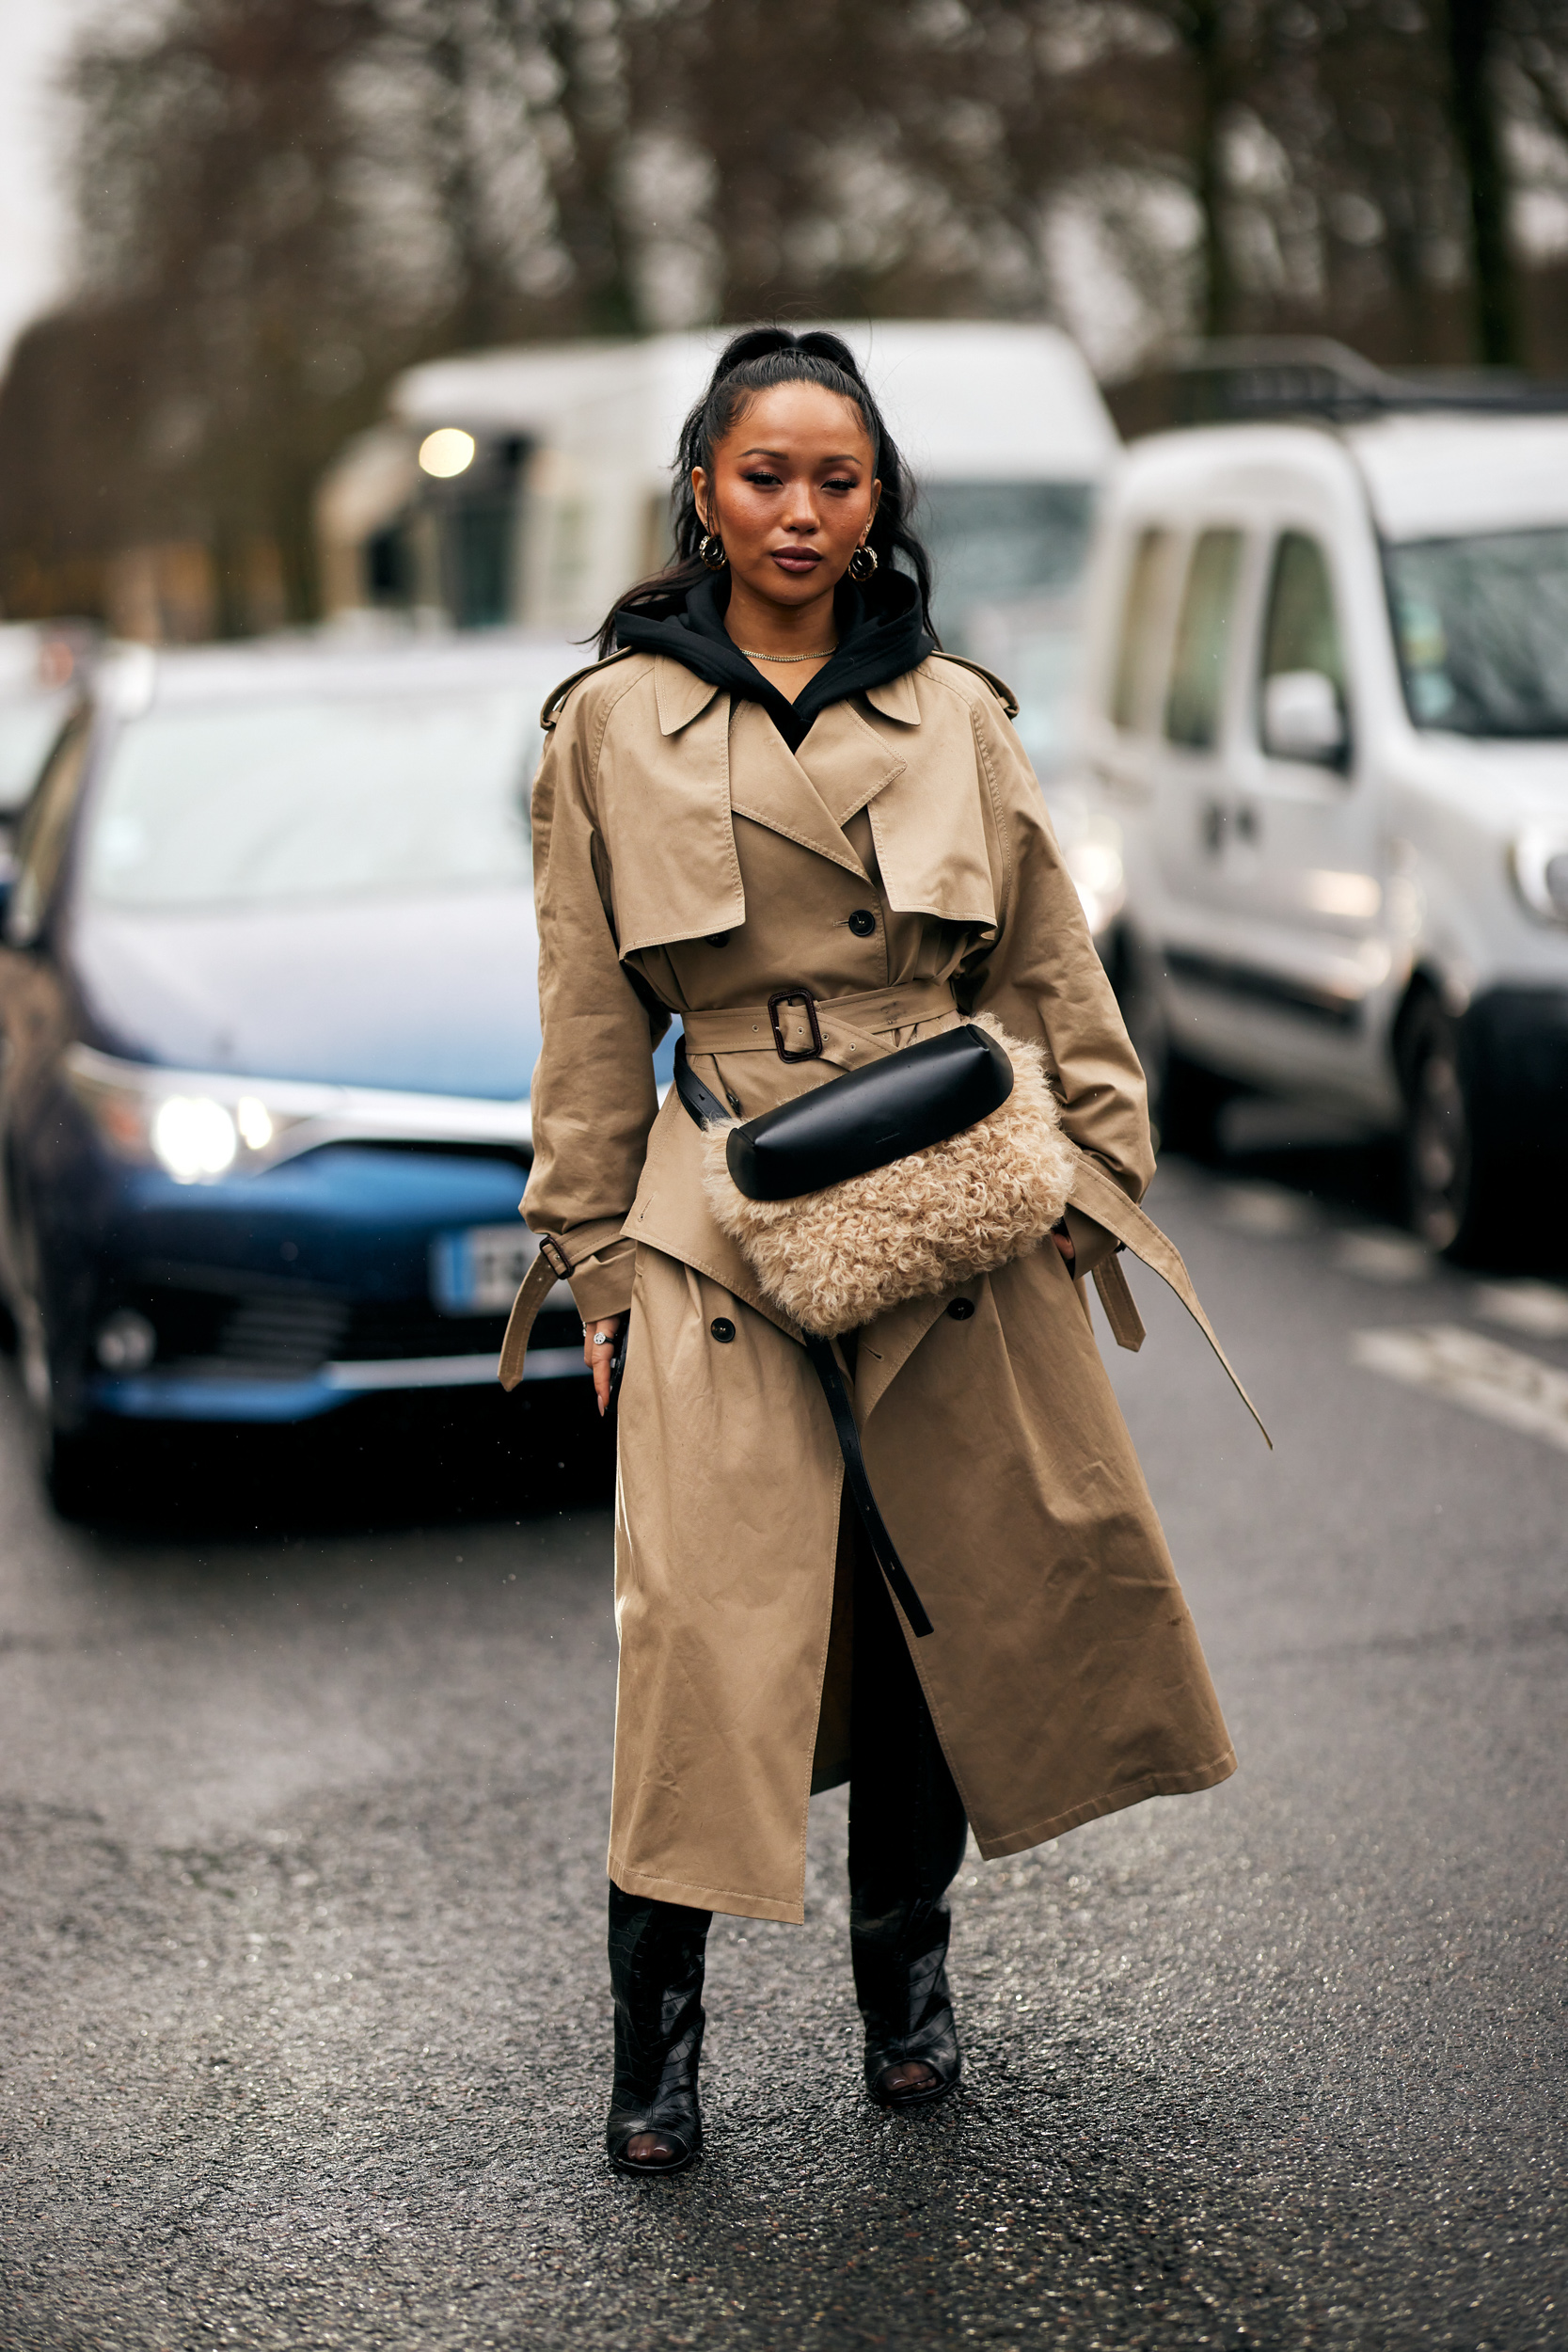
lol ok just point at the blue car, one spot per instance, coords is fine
(268, 999)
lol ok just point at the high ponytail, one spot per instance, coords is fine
(757, 360)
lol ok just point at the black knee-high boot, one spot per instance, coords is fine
(907, 1834)
(656, 1953)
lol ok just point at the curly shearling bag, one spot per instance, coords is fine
(927, 1222)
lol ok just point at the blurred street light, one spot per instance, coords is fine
(447, 452)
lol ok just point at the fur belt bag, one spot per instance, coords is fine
(939, 1162)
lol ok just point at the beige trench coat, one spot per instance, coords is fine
(688, 862)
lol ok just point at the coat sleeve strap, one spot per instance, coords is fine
(1121, 1314)
(550, 1266)
(1095, 1192)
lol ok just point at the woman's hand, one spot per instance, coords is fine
(1064, 1243)
(598, 1347)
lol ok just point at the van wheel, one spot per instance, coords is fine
(1184, 1101)
(1449, 1172)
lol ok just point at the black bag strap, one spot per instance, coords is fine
(699, 1102)
(824, 1364)
(704, 1107)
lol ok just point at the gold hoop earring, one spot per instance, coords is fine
(711, 548)
(862, 562)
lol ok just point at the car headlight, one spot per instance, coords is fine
(1541, 873)
(193, 1138)
(1094, 862)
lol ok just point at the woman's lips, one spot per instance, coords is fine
(795, 559)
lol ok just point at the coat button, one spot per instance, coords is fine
(723, 1328)
(862, 922)
(719, 939)
(961, 1309)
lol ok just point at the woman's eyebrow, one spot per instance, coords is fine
(847, 459)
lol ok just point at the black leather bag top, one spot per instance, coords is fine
(914, 1098)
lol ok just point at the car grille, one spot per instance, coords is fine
(285, 1335)
(282, 1334)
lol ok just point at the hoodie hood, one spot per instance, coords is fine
(881, 636)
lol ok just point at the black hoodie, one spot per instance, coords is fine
(880, 635)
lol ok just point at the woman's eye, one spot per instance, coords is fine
(764, 480)
(841, 485)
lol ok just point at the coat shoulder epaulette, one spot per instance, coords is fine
(999, 687)
(553, 701)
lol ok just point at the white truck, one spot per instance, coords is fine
(1325, 755)
(533, 485)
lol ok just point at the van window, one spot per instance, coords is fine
(1203, 640)
(1301, 630)
(1140, 616)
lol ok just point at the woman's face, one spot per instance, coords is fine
(792, 493)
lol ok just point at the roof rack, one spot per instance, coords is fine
(1240, 379)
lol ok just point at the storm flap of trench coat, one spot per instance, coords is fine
(688, 862)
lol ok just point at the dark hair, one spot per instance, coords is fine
(753, 362)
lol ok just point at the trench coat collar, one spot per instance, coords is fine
(683, 881)
(896, 698)
(679, 694)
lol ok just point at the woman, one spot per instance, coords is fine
(776, 786)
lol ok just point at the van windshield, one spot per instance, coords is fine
(303, 799)
(1008, 557)
(1483, 627)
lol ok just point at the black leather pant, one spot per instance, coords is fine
(907, 1835)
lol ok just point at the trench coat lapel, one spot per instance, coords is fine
(846, 761)
(774, 786)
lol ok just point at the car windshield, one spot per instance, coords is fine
(315, 798)
(1484, 632)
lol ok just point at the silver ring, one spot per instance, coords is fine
(604, 1339)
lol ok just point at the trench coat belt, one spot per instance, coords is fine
(844, 1024)
(550, 1266)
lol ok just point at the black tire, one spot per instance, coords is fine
(72, 1463)
(1185, 1100)
(1449, 1176)
(78, 1471)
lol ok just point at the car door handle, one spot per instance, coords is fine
(1216, 821)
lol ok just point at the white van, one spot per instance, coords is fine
(1326, 745)
(533, 485)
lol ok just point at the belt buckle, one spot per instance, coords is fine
(795, 996)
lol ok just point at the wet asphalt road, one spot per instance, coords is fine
(303, 1793)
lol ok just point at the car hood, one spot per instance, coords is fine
(431, 995)
(1503, 785)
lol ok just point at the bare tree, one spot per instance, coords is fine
(283, 202)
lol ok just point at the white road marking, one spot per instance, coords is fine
(1539, 1309)
(1267, 1211)
(1449, 1361)
(1383, 1256)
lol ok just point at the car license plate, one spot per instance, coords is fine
(477, 1272)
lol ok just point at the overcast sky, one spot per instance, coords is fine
(34, 217)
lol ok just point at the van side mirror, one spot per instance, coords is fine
(1303, 719)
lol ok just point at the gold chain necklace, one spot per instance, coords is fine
(787, 656)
